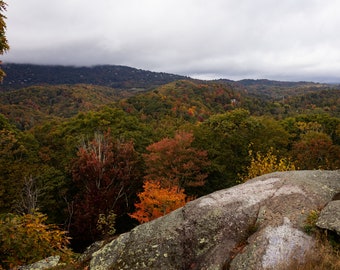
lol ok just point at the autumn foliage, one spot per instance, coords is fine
(156, 201)
(91, 187)
(106, 177)
(266, 163)
(320, 150)
(174, 162)
(172, 165)
(28, 238)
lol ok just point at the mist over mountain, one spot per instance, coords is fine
(121, 77)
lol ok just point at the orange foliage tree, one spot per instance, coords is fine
(174, 162)
(156, 201)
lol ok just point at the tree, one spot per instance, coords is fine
(174, 162)
(266, 163)
(13, 165)
(270, 134)
(156, 201)
(3, 40)
(226, 138)
(26, 239)
(106, 176)
(315, 150)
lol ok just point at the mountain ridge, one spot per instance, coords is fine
(115, 76)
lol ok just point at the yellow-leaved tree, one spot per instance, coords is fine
(26, 239)
(266, 163)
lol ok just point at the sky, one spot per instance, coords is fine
(295, 40)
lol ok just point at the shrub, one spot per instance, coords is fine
(310, 223)
(106, 224)
(25, 239)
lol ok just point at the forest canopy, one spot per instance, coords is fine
(97, 160)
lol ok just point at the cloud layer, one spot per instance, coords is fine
(287, 40)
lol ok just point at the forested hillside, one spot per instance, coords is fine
(99, 157)
(36, 104)
(23, 75)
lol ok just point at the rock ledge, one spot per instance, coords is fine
(255, 225)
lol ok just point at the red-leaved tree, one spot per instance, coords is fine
(174, 162)
(106, 176)
(315, 150)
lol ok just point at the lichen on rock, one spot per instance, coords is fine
(254, 225)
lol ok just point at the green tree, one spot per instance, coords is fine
(44, 163)
(17, 155)
(226, 138)
(3, 40)
(22, 158)
(270, 134)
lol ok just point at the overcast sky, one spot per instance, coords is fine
(209, 39)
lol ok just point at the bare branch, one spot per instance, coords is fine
(29, 196)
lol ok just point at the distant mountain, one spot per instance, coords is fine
(277, 90)
(122, 77)
(265, 82)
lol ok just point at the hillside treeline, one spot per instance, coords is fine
(91, 157)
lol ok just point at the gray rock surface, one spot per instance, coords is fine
(47, 263)
(330, 217)
(255, 225)
(87, 254)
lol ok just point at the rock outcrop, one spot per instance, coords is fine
(255, 225)
(330, 217)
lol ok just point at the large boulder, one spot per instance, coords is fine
(255, 225)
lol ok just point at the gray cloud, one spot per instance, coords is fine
(207, 39)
